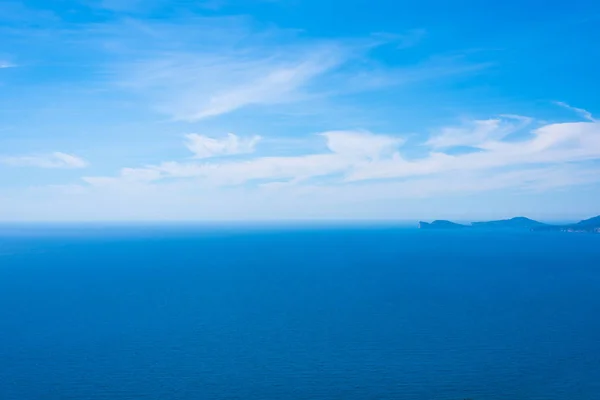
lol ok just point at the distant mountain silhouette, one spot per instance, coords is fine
(588, 225)
(513, 223)
(595, 222)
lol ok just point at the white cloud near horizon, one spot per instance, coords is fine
(356, 156)
(52, 160)
(179, 200)
(346, 148)
(354, 172)
(549, 144)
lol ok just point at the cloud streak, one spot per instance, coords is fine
(53, 160)
(478, 132)
(585, 114)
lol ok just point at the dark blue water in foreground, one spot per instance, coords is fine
(275, 314)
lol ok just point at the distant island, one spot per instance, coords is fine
(591, 225)
(441, 224)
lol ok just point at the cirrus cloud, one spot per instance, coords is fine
(52, 160)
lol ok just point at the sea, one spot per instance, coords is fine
(363, 312)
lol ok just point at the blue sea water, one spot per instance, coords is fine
(305, 313)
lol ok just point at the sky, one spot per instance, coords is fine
(154, 110)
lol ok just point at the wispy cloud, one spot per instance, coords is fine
(478, 132)
(52, 160)
(272, 84)
(6, 64)
(192, 86)
(192, 67)
(579, 111)
(207, 67)
(205, 147)
(404, 40)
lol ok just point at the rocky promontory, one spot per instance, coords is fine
(591, 225)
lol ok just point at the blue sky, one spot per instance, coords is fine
(289, 109)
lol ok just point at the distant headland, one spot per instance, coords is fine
(591, 225)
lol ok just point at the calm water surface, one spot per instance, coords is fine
(272, 314)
